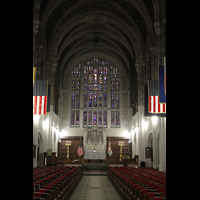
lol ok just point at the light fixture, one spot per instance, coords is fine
(44, 123)
(136, 129)
(154, 119)
(145, 123)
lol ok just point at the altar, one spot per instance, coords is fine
(94, 154)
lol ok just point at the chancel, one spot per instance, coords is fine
(99, 99)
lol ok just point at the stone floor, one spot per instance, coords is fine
(95, 188)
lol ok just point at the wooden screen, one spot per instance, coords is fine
(73, 156)
(115, 157)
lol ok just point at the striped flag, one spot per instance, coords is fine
(80, 149)
(153, 105)
(40, 97)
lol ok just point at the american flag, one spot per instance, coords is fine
(40, 97)
(80, 149)
(154, 104)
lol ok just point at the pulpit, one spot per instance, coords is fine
(50, 160)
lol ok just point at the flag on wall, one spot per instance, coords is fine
(40, 97)
(162, 95)
(109, 149)
(146, 105)
(154, 105)
(80, 149)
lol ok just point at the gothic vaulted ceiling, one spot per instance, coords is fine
(116, 29)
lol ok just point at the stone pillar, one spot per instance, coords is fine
(162, 145)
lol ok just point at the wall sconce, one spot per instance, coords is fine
(145, 123)
(44, 123)
(137, 128)
(154, 119)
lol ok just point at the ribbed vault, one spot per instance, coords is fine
(71, 26)
(120, 31)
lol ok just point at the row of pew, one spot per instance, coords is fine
(138, 183)
(56, 183)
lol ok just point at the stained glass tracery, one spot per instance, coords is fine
(95, 96)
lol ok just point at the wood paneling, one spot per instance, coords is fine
(72, 148)
(115, 157)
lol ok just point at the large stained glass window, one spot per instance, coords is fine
(85, 100)
(92, 86)
(73, 100)
(94, 118)
(77, 117)
(105, 117)
(117, 100)
(90, 100)
(117, 118)
(112, 118)
(75, 95)
(115, 96)
(90, 117)
(72, 117)
(100, 117)
(112, 100)
(77, 100)
(100, 100)
(85, 118)
(105, 100)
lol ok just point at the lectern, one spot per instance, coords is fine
(121, 144)
(68, 142)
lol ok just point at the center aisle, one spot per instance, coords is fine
(95, 188)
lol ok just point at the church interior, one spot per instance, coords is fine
(100, 70)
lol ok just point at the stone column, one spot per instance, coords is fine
(162, 145)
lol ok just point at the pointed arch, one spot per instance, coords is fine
(149, 138)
